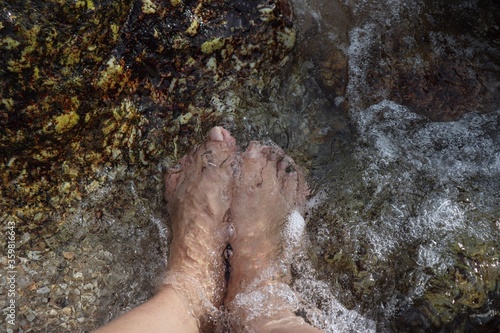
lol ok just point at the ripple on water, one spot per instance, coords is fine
(418, 226)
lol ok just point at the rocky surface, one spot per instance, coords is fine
(99, 92)
(86, 85)
(438, 59)
(98, 98)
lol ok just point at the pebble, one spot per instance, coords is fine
(67, 311)
(30, 317)
(34, 255)
(70, 255)
(89, 298)
(88, 286)
(43, 290)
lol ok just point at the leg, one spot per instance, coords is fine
(165, 312)
(198, 192)
(269, 187)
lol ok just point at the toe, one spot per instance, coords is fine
(220, 147)
(253, 161)
(293, 184)
(175, 175)
(215, 134)
(227, 137)
(273, 153)
(286, 165)
(253, 150)
(221, 134)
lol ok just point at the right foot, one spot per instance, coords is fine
(269, 188)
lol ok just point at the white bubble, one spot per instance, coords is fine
(295, 227)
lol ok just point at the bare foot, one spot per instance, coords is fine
(199, 192)
(269, 187)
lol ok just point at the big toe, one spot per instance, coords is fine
(273, 154)
(220, 147)
(219, 133)
(253, 163)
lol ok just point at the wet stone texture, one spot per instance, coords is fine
(90, 84)
(442, 77)
(100, 92)
(373, 238)
(98, 98)
(439, 59)
(86, 97)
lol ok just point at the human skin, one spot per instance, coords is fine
(269, 186)
(211, 194)
(198, 192)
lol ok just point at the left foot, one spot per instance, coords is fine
(199, 193)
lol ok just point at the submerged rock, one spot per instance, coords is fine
(89, 84)
(439, 59)
(97, 97)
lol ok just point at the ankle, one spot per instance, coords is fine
(281, 322)
(193, 295)
(264, 303)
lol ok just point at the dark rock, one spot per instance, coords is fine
(87, 84)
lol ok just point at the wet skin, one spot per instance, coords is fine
(216, 196)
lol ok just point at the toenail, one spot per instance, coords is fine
(215, 134)
(253, 148)
(207, 152)
(273, 154)
(230, 230)
(176, 168)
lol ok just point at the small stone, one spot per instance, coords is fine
(43, 290)
(25, 237)
(88, 298)
(70, 255)
(34, 255)
(30, 317)
(52, 313)
(88, 286)
(67, 311)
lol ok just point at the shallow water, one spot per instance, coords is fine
(403, 226)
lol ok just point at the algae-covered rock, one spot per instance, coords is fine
(97, 98)
(467, 288)
(88, 84)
